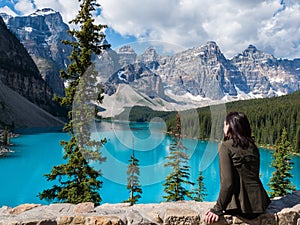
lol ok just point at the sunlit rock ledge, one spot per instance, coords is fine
(283, 211)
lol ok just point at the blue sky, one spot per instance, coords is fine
(271, 25)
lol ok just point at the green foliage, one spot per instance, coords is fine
(177, 182)
(143, 114)
(280, 183)
(78, 181)
(267, 118)
(5, 136)
(200, 190)
(133, 185)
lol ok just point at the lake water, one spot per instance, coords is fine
(37, 151)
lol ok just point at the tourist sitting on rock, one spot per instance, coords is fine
(242, 192)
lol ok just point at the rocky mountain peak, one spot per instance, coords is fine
(140, 78)
(212, 47)
(5, 17)
(43, 12)
(266, 75)
(201, 73)
(251, 48)
(205, 74)
(211, 50)
(208, 54)
(19, 72)
(126, 55)
(12, 53)
(41, 34)
(150, 55)
(150, 51)
(251, 53)
(125, 49)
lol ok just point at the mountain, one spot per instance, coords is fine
(20, 76)
(191, 78)
(266, 75)
(17, 111)
(204, 71)
(195, 77)
(41, 34)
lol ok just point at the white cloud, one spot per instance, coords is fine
(270, 25)
(282, 33)
(233, 24)
(24, 6)
(68, 8)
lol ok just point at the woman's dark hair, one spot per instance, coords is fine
(239, 129)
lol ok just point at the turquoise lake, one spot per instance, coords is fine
(38, 150)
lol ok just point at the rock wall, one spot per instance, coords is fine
(19, 72)
(283, 211)
(42, 33)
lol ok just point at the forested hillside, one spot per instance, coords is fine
(267, 116)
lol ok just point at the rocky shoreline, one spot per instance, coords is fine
(5, 148)
(282, 211)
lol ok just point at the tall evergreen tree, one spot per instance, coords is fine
(200, 190)
(133, 185)
(297, 141)
(177, 182)
(280, 182)
(78, 181)
(5, 136)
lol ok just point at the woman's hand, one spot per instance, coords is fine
(211, 217)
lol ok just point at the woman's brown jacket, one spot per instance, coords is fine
(241, 189)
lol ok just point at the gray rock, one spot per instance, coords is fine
(42, 33)
(19, 73)
(282, 211)
(126, 55)
(181, 216)
(204, 71)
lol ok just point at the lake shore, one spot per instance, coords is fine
(5, 148)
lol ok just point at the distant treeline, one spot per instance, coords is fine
(267, 116)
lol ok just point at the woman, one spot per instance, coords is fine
(242, 192)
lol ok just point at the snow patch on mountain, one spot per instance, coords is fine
(121, 76)
(43, 12)
(28, 29)
(5, 17)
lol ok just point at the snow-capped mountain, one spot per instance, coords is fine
(266, 75)
(204, 71)
(5, 17)
(41, 34)
(25, 96)
(198, 76)
(191, 78)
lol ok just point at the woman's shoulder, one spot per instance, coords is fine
(237, 152)
(226, 143)
(229, 144)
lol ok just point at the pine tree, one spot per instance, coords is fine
(297, 141)
(280, 182)
(5, 136)
(78, 181)
(178, 179)
(200, 191)
(133, 185)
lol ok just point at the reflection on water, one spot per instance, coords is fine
(37, 152)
